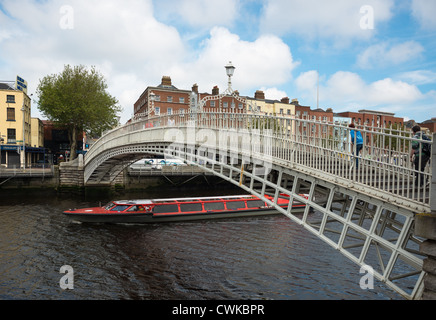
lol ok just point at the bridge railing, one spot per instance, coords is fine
(383, 165)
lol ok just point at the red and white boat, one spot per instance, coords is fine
(181, 209)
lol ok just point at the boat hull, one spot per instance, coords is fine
(152, 218)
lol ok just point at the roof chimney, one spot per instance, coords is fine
(285, 100)
(195, 88)
(215, 91)
(166, 81)
(259, 95)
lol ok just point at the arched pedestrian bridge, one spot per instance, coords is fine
(366, 210)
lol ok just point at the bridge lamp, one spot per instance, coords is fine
(230, 69)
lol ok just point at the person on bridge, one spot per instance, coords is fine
(356, 135)
(418, 155)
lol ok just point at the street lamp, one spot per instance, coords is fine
(230, 69)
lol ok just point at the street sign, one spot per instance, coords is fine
(21, 84)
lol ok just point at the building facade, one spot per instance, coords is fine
(162, 99)
(430, 125)
(373, 118)
(15, 128)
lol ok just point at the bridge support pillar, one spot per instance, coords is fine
(425, 227)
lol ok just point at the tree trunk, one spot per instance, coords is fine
(73, 143)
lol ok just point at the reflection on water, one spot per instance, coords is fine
(246, 258)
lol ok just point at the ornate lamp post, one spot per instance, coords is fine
(230, 69)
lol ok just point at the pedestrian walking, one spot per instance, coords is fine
(419, 155)
(356, 138)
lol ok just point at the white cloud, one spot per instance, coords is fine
(346, 89)
(333, 19)
(132, 49)
(124, 42)
(418, 77)
(386, 55)
(424, 11)
(267, 61)
(273, 93)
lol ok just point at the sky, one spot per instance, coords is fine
(346, 55)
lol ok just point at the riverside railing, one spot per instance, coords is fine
(383, 167)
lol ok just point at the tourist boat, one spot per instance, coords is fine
(181, 209)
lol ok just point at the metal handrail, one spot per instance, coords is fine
(316, 146)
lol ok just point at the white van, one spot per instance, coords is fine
(156, 163)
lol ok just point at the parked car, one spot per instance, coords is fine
(149, 164)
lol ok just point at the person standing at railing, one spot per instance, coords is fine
(356, 138)
(418, 155)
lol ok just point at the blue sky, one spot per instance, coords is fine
(369, 54)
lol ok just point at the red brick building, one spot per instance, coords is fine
(429, 124)
(168, 99)
(373, 118)
(304, 112)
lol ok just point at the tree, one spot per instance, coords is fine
(77, 100)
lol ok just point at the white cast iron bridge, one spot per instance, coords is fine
(365, 211)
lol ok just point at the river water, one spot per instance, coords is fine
(242, 258)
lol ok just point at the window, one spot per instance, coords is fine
(166, 208)
(120, 208)
(187, 207)
(136, 208)
(255, 203)
(157, 111)
(210, 206)
(182, 100)
(170, 111)
(212, 103)
(225, 104)
(10, 99)
(240, 105)
(12, 136)
(182, 112)
(156, 98)
(233, 205)
(10, 114)
(169, 99)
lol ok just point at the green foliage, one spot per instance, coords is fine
(77, 99)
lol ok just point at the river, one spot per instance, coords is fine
(242, 258)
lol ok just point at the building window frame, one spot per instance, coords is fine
(12, 136)
(10, 98)
(10, 114)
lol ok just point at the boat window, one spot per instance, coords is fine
(186, 207)
(136, 208)
(120, 208)
(255, 203)
(232, 205)
(109, 206)
(166, 208)
(210, 206)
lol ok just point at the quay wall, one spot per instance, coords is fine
(68, 177)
